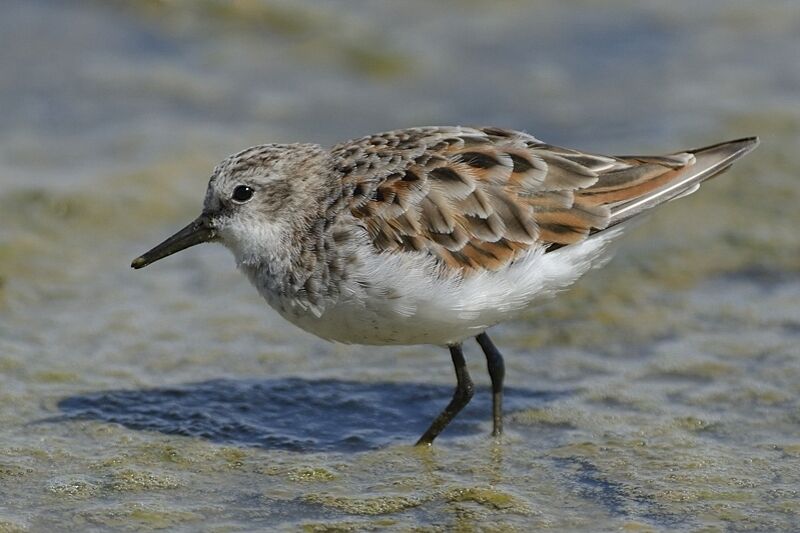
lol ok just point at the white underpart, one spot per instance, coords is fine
(399, 298)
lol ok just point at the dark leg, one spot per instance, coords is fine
(461, 397)
(497, 371)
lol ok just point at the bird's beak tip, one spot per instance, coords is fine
(197, 232)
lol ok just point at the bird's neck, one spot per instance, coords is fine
(294, 277)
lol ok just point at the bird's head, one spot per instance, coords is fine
(255, 203)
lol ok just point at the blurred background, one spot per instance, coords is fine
(660, 393)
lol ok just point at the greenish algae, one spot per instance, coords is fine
(364, 506)
(311, 474)
(10, 471)
(139, 516)
(56, 376)
(12, 527)
(73, 486)
(140, 480)
(487, 496)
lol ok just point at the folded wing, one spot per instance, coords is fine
(475, 199)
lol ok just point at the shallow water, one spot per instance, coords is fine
(660, 393)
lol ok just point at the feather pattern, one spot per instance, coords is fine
(475, 199)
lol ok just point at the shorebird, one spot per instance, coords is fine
(429, 235)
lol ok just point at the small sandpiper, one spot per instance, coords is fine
(429, 235)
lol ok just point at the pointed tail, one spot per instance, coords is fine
(699, 165)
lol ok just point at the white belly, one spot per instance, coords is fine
(378, 322)
(400, 298)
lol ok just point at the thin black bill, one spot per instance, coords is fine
(197, 232)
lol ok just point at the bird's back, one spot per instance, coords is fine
(477, 199)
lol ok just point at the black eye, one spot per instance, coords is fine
(242, 193)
